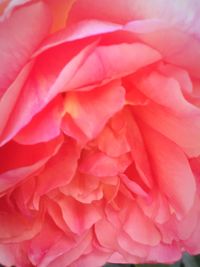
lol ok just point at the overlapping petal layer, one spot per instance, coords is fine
(99, 131)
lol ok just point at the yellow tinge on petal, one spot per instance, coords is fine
(71, 105)
(60, 10)
(3, 5)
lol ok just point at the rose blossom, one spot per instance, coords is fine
(99, 131)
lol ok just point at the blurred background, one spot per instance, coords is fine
(186, 261)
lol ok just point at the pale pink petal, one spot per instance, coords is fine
(82, 29)
(41, 248)
(18, 45)
(182, 50)
(182, 13)
(96, 258)
(172, 171)
(133, 186)
(191, 244)
(183, 130)
(140, 228)
(171, 96)
(57, 257)
(158, 208)
(126, 242)
(14, 255)
(106, 234)
(131, 57)
(164, 253)
(178, 74)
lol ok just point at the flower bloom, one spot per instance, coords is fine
(99, 131)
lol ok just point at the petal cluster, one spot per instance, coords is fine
(99, 131)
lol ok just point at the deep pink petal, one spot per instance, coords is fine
(45, 81)
(24, 161)
(44, 126)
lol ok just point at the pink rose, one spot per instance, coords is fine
(99, 131)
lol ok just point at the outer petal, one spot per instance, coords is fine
(183, 13)
(80, 30)
(17, 45)
(131, 57)
(45, 81)
(182, 50)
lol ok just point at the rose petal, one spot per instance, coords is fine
(140, 228)
(91, 110)
(82, 29)
(17, 46)
(164, 253)
(79, 217)
(131, 57)
(44, 126)
(56, 257)
(99, 164)
(28, 160)
(183, 130)
(46, 80)
(171, 96)
(172, 171)
(60, 168)
(179, 13)
(113, 143)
